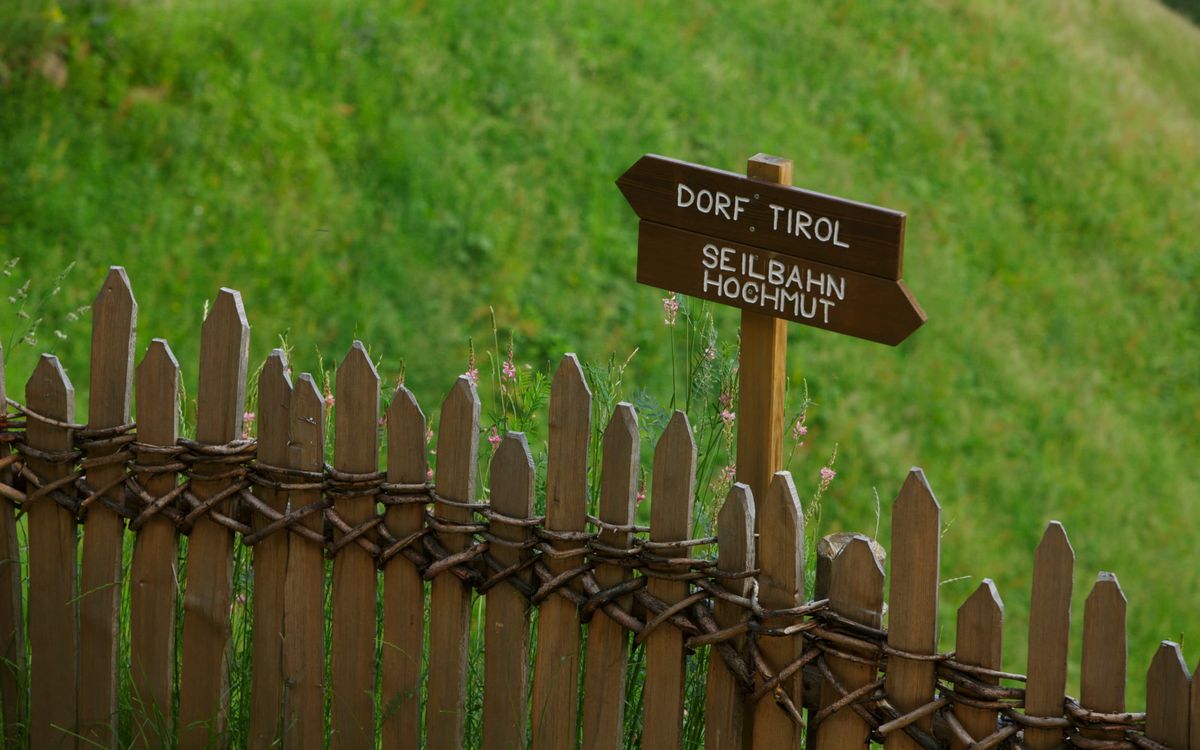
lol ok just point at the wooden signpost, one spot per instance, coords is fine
(779, 253)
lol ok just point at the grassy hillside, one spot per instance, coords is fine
(390, 170)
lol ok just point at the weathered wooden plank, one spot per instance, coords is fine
(270, 557)
(780, 586)
(856, 593)
(1102, 672)
(1049, 628)
(53, 623)
(403, 588)
(220, 404)
(114, 321)
(355, 451)
(1168, 692)
(912, 621)
(762, 365)
(726, 725)
(556, 670)
(450, 601)
(673, 490)
(154, 572)
(506, 634)
(1194, 712)
(12, 626)
(304, 600)
(978, 641)
(608, 641)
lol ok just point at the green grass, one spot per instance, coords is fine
(391, 171)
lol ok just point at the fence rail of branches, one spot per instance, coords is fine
(783, 670)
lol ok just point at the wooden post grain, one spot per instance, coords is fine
(608, 641)
(978, 641)
(780, 586)
(726, 724)
(220, 403)
(673, 490)
(12, 626)
(53, 623)
(270, 557)
(304, 584)
(1168, 687)
(403, 588)
(506, 631)
(154, 572)
(556, 668)
(355, 451)
(1049, 628)
(114, 320)
(912, 621)
(856, 593)
(762, 370)
(1102, 672)
(450, 600)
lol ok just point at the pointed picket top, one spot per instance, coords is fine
(856, 582)
(49, 392)
(781, 544)
(619, 473)
(274, 403)
(1168, 687)
(981, 617)
(307, 418)
(673, 484)
(512, 480)
(224, 349)
(1102, 670)
(1049, 629)
(457, 442)
(114, 326)
(356, 412)
(405, 438)
(735, 536)
(566, 466)
(158, 395)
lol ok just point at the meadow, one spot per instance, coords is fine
(407, 173)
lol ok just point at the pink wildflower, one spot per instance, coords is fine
(725, 400)
(727, 417)
(509, 370)
(670, 308)
(328, 399)
(429, 475)
(428, 435)
(494, 438)
(827, 475)
(729, 473)
(641, 493)
(799, 429)
(248, 418)
(472, 374)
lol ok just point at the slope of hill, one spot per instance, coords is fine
(389, 170)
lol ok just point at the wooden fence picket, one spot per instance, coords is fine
(726, 724)
(449, 599)
(780, 560)
(53, 624)
(220, 404)
(355, 452)
(978, 641)
(608, 641)
(913, 597)
(673, 489)
(1194, 711)
(1168, 693)
(154, 571)
(556, 666)
(270, 557)
(403, 588)
(12, 626)
(506, 632)
(1102, 669)
(114, 321)
(304, 584)
(1049, 628)
(856, 593)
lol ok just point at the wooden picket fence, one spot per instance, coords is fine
(783, 671)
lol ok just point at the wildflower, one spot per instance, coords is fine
(328, 399)
(710, 353)
(428, 435)
(383, 421)
(508, 369)
(729, 473)
(727, 417)
(61, 336)
(827, 475)
(641, 493)
(472, 374)
(670, 308)
(725, 400)
(799, 430)
(494, 438)
(429, 475)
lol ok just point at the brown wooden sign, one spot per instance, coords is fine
(786, 220)
(782, 286)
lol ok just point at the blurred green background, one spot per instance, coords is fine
(391, 171)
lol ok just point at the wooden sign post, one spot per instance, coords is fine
(779, 253)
